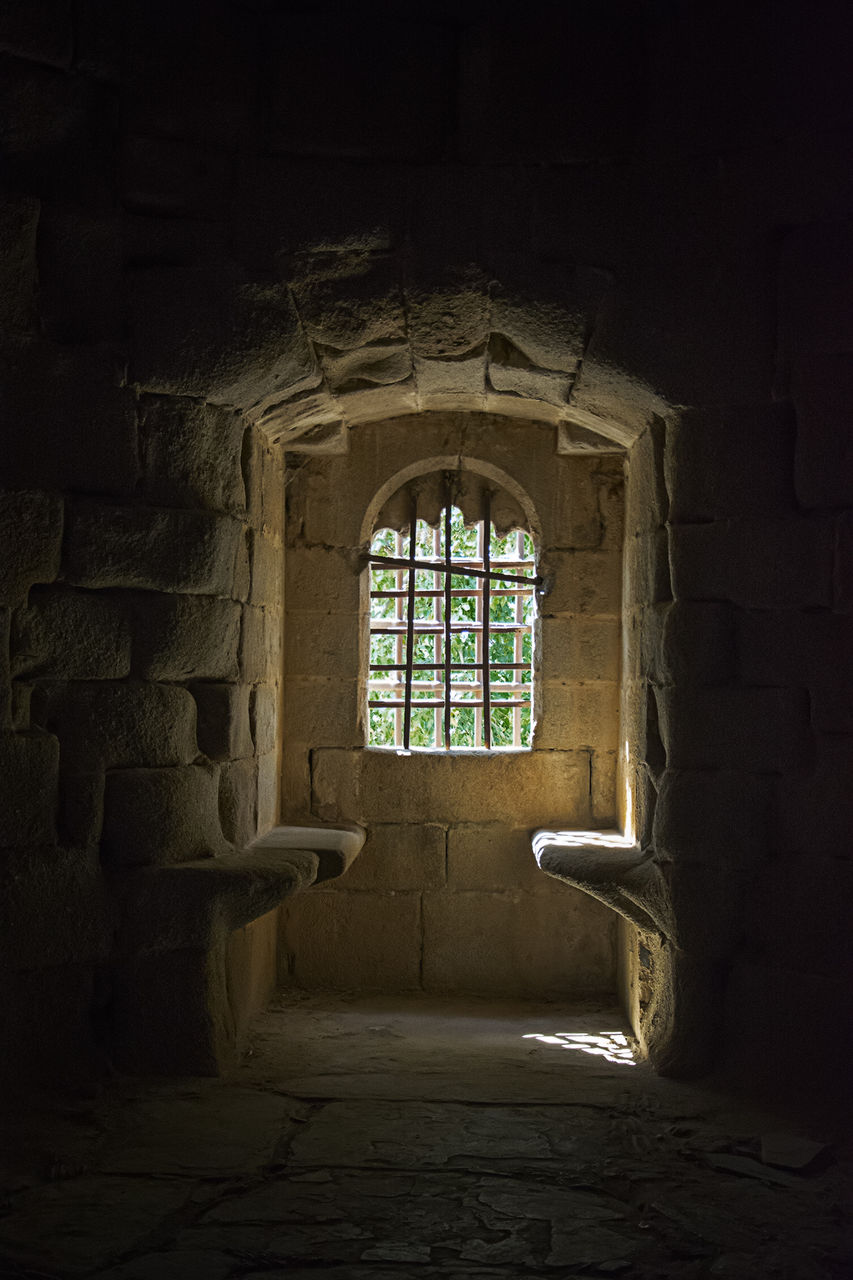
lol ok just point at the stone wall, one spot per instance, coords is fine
(445, 895)
(620, 222)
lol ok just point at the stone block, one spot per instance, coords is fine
(185, 637)
(604, 799)
(690, 642)
(710, 907)
(71, 635)
(20, 705)
(323, 711)
(31, 535)
(153, 548)
(578, 521)
(29, 766)
(577, 714)
(580, 649)
(122, 724)
(167, 176)
(718, 818)
(190, 454)
(647, 568)
(38, 29)
(586, 582)
(209, 333)
(19, 216)
(374, 404)
(556, 945)
(75, 426)
(489, 857)
(761, 730)
(315, 642)
(646, 497)
(351, 301)
(509, 371)
(398, 858)
(260, 644)
(263, 717)
(548, 316)
(295, 781)
(447, 308)
(759, 564)
(520, 788)
(325, 579)
(439, 380)
(153, 817)
(380, 364)
(223, 720)
(822, 391)
(54, 910)
(267, 570)
(269, 791)
(705, 472)
(351, 941)
(238, 801)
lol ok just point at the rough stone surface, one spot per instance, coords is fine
(153, 548)
(30, 529)
(789, 565)
(158, 816)
(117, 724)
(238, 797)
(29, 767)
(185, 637)
(393, 862)
(223, 722)
(72, 635)
(190, 454)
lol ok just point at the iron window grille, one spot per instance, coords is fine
(452, 608)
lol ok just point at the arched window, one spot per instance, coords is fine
(451, 619)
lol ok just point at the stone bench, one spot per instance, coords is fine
(197, 946)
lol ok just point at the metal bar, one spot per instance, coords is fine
(448, 568)
(426, 628)
(459, 569)
(389, 703)
(410, 622)
(454, 666)
(487, 609)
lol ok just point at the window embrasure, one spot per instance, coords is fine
(452, 609)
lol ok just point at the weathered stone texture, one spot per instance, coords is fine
(153, 548)
(185, 637)
(703, 463)
(378, 933)
(525, 788)
(569, 951)
(190, 454)
(756, 729)
(238, 797)
(160, 816)
(692, 642)
(720, 818)
(263, 717)
(581, 712)
(323, 711)
(260, 644)
(579, 647)
(113, 725)
(75, 923)
(398, 858)
(29, 764)
(759, 564)
(72, 635)
(30, 533)
(314, 642)
(489, 858)
(223, 720)
(324, 579)
(586, 582)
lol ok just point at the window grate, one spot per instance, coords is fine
(451, 635)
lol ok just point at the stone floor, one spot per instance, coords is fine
(412, 1139)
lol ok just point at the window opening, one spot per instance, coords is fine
(451, 634)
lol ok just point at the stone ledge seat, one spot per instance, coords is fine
(175, 977)
(611, 867)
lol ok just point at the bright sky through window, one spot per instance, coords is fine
(451, 636)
